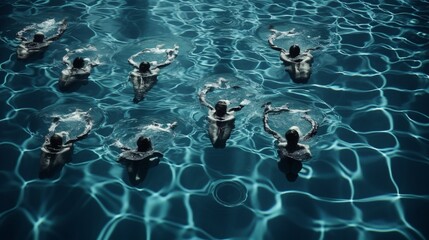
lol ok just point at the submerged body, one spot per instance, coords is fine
(142, 83)
(298, 64)
(138, 162)
(299, 67)
(52, 159)
(291, 153)
(36, 47)
(221, 118)
(220, 128)
(77, 71)
(145, 75)
(55, 154)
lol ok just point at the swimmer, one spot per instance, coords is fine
(298, 64)
(139, 161)
(144, 76)
(290, 151)
(76, 71)
(55, 154)
(35, 47)
(221, 119)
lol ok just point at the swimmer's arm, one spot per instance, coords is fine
(202, 96)
(269, 109)
(240, 106)
(171, 126)
(85, 133)
(271, 41)
(285, 58)
(307, 155)
(267, 128)
(66, 58)
(156, 154)
(121, 146)
(94, 63)
(20, 34)
(55, 122)
(312, 49)
(132, 62)
(314, 127)
(171, 55)
(61, 29)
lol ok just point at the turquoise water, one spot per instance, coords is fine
(368, 91)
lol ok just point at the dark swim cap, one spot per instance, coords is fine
(78, 62)
(38, 37)
(294, 50)
(144, 143)
(144, 67)
(56, 141)
(221, 107)
(292, 136)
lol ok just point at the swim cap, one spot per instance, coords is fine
(144, 144)
(294, 50)
(292, 136)
(56, 141)
(78, 62)
(38, 37)
(221, 107)
(144, 67)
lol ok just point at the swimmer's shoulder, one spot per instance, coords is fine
(227, 118)
(30, 45)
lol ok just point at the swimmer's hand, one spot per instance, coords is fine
(96, 62)
(267, 107)
(244, 102)
(172, 125)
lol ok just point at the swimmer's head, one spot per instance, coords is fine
(56, 141)
(78, 62)
(292, 137)
(144, 144)
(221, 107)
(38, 37)
(144, 67)
(294, 50)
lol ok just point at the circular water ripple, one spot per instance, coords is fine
(229, 193)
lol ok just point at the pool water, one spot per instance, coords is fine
(368, 92)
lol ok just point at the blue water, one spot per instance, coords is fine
(368, 91)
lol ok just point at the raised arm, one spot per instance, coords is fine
(273, 36)
(131, 60)
(267, 128)
(20, 34)
(240, 106)
(171, 55)
(61, 29)
(90, 64)
(66, 58)
(202, 96)
(171, 126)
(313, 49)
(54, 124)
(85, 133)
(269, 109)
(314, 127)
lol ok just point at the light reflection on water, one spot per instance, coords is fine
(368, 91)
